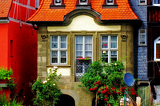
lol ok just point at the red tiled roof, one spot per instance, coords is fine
(122, 12)
(4, 8)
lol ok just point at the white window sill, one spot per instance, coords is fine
(156, 4)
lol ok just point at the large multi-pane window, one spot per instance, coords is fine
(83, 54)
(58, 50)
(109, 47)
(157, 49)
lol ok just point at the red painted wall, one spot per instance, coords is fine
(4, 45)
(24, 57)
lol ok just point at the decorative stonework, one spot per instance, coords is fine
(124, 38)
(44, 37)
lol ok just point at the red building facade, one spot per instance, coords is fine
(18, 42)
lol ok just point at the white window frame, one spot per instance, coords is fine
(109, 49)
(156, 41)
(58, 49)
(142, 3)
(57, 3)
(139, 41)
(109, 3)
(81, 74)
(83, 3)
(36, 3)
(155, 4)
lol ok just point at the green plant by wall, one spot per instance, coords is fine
(47, 92)
(106, 81)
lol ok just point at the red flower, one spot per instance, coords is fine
(105, 44)
(94, 89)
(114, 92)
(101, 89)
(112, 88)
(136, 95)
(93, 83)
(98, 92)
(105, 99)
(91, 89)
(106, 95)
(103, 92)
(132, 89)
(123, 88)
(87, 81)
(133, 93)
(97, 98)
(107, 104)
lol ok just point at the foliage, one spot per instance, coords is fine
(5, 74)
(106, 80)
(47, 92)
(4, 101)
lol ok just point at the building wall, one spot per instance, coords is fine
(4, 45)
(67, 82)
(140, 51)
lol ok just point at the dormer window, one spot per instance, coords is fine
(156, 2)
(57, 2)
(109, 2)
(83, 2)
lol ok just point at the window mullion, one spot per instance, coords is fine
(83, 46)
(109, 47)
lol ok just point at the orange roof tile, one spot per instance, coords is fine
(122, 12)
(4, 8)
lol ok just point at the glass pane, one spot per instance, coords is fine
(142, 36)
(155, 1)
(58, 1)
(63, 38)
(54, 53)
(105, 56)
(79, 39)
(79, 54)
(88, 47)
(114, 45)
(142, 1)
(158, 51)
(83, 1)
(114, 53)
(54, 38)
(113, 59)
(88, 54)
(54, 56)
(79, 46)
(63, 45)
(54, 45)
(142, 41)
(109, 1)
(63, 54)
(88, 39)
(113, 38)
(105, 38)
(104, 45)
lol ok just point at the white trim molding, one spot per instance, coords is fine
(4, 21)
(156, 41)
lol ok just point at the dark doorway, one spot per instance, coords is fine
(66, 100)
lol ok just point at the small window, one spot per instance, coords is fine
(58, 50)
(142, 2)
(142, 37)
(109, 2)
(156, 2)
(57, 2)
(83, 2)
(36, 4)
(157, 49)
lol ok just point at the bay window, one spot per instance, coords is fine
(58, 50)
(109, 47)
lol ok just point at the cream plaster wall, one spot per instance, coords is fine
(84, 23)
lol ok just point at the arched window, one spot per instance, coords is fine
(157, 49)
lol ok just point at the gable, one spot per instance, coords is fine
(83, 23)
